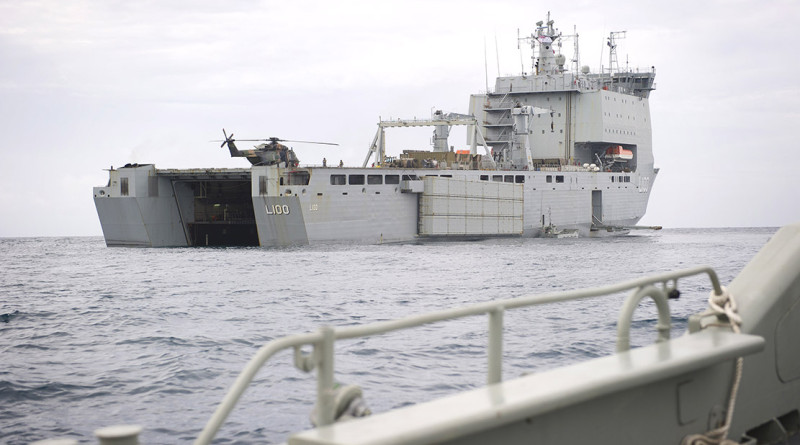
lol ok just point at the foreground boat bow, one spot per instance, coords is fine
(734, 374)
(683, 390)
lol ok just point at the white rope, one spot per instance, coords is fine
(722, 304)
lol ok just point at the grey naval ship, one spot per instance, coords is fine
(563, 151)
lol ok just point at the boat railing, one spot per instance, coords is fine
(659, 287)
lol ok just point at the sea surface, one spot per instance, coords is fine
(92, 336)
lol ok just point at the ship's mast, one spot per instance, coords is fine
(546, 36)
(613, 64)
(576, 59)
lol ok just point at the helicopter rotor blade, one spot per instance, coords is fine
(230, 139)
(287, 140)
(308, 142)
(227, 138)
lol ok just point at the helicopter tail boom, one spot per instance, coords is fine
(229, 141)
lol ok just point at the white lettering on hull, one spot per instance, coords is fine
(277, 209)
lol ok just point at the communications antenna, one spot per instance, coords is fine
(576, 58)
(613, 64)
(521, 63)
(485, 65)
(497, 54)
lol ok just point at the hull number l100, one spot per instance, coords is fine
(277, 209)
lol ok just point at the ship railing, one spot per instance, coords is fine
(658, 287)
(504, 134)
(561, 168)
(581, 85)
(501, 119)
(501, 106)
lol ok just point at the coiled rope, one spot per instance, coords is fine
(722, 304)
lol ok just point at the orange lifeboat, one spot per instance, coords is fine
(618, 154)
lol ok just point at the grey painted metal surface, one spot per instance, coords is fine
(457, 207)
(771, 381)
(138, 208)
(280, 221)
(518, 411)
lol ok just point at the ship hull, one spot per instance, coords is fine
(270, 206)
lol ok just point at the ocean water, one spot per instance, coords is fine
(92, 336)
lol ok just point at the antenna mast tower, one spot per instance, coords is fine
(613, 63)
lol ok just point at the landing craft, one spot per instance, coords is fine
(270, 152)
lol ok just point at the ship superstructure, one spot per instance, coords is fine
(557, 117)
(560, 146)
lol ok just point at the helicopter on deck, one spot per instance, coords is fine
(269, 152)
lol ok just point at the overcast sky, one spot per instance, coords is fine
(89, 84)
